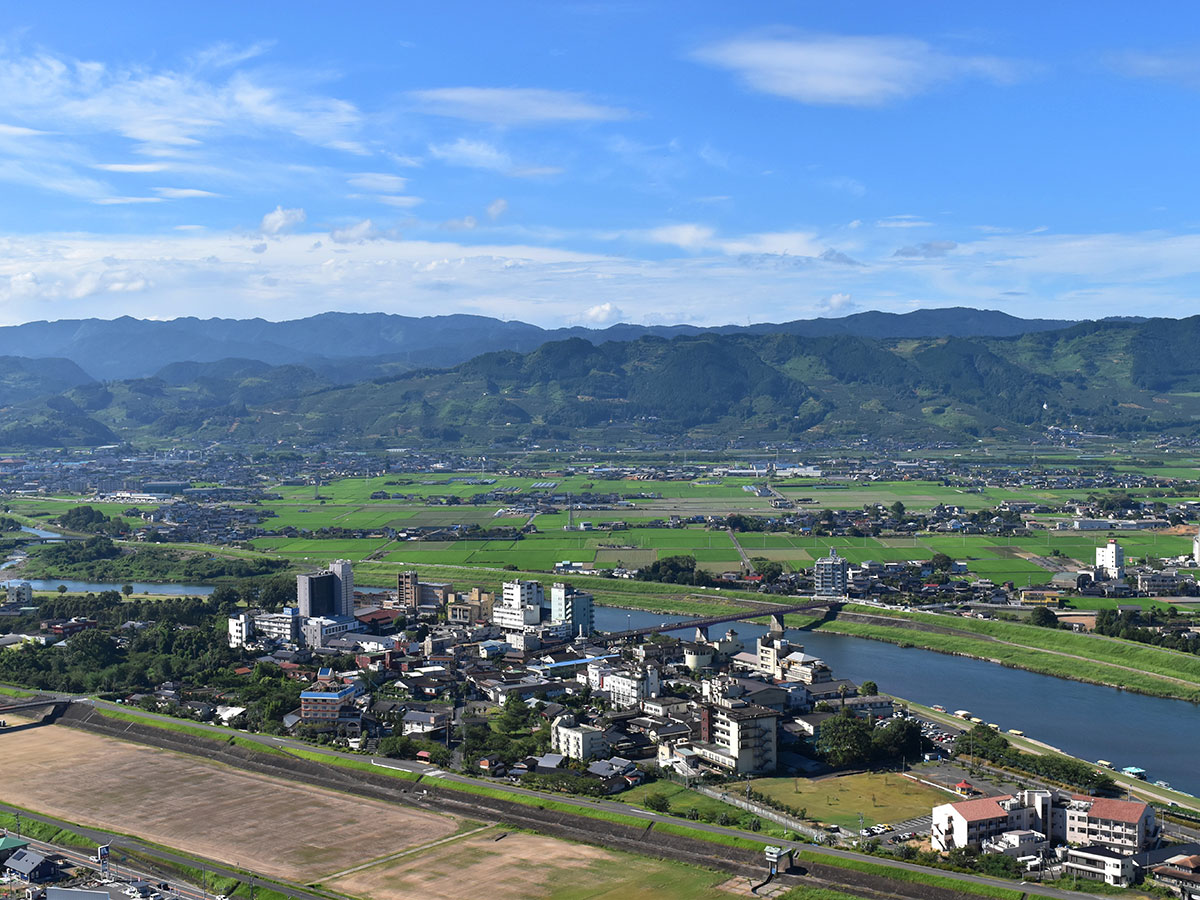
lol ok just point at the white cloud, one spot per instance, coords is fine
(472, 154)
(602, 313)
(466, 223)
(378, 182)
(183, 193)
(905, 221)
(210, 273)
(119, 201)
(497, 208)
(927, 250)
(360, 231)
(483, 155)
(281, 219)
(131, 167)
(226, 54)
(168, 109)
(400, 201)
(515, 106)
(847, 71)
(689, 237)
(18, 131)
(1178, 67)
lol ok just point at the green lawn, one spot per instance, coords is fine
(880, 798)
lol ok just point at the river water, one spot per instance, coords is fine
(139, 587)
(1084, 720)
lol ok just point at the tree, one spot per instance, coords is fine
(941, 562)
(127, 590)
(897, 510)
(868, 688)
(845, 740)
(1043, 618)
(657, 802)
(62, 588)
(843, 690)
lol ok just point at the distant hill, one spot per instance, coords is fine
(351, 346)
(1118, 378)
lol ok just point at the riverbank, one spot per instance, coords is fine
(1104, 661)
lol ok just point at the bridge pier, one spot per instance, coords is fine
(701, 634)
(776, 623)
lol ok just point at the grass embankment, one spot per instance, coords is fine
(911, 876)
(1135, 667)
(44, 831)
(15, 692)
(184, 728)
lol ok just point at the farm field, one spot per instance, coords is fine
(522, 865)
(346, 504)
(264, 824)
(838, 800)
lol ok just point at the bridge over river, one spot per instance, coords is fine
(775, 612)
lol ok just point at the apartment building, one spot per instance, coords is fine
(576, 741)
(738, 737)
(1122, 826)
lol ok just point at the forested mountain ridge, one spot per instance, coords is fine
(348, 346)
(1119, 378)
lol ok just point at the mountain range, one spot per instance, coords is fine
(921, 379)
(340, 345)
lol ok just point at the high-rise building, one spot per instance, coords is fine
(408, 589)
(318, 594)
(344, 573)
(1110, 560)
(1196, 549)
(571, 607)
(520, 607)
(830, 574)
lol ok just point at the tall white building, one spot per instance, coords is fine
(1110, 560)
(572, 608)
(830, 574)
(241, 630)
(1196, 549)
(344, 574)
(519, 608)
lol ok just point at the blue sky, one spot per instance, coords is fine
(590, 163)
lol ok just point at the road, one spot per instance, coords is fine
(608, 805)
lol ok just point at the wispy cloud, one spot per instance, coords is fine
(515, 106)
(172, 193)
(902, 221)
(848, 71)
(380, 182)
(484, 155)
(927, 250)
(1179, 67)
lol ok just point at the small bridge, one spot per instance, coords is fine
(775, 612)
(57, 705)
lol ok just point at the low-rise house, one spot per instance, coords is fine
(1100, 864)
(30, 866)
(1181, 873)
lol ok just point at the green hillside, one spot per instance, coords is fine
(1115, 378)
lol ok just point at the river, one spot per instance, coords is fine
(139, 587)
(1084, 720)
